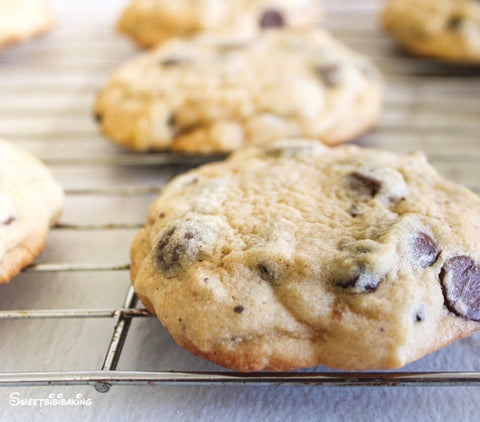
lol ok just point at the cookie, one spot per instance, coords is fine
(23, 19)
(30, 202)
(150, 22)
(447, 29)
(296, 254)
(207, 96)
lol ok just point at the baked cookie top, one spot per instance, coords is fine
(23, 19)
(30, 201)
(150, 22)
(207, 95)
(297, 254)
(446, 29)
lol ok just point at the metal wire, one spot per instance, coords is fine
(104, 379)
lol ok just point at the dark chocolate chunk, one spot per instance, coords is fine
(330, 74)
(460, 278)
(420, 315)
(239, 309)
(171, 249)
(354, 211)
(272, 18)
(425, 249)
(455, 22)
(174, 61)
(267, 273)
(364, 184)
(8, 221)
(172, 121)
(361, 281)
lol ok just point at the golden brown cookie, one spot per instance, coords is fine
(445, 29)
(296, 255)
(30, 202)
(207, 95)
(150, 22)
(23, 19)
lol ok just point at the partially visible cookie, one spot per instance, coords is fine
(207, 95)
(446, 29)
(296, 255)
(151, 22)
(23, 19)
(30, 202)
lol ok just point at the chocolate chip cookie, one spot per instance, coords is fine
(296, 254)
(23, 19)
(150, 22)
(447, 29)
(30, 201)
(207, 95)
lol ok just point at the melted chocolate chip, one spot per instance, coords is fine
(239, 309)
(98, 117)
(267, 273)
(354, 211)
(172, 121)
(330, 74)
(420, 315)
(362, 281)
(170, 249)
(455, 22)
(425, 249)
(8, 221)
(460, 278)
(174, 61)
(364, 184)
(272, 18)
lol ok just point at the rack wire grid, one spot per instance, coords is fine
(46, 91)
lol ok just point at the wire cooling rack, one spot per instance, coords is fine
(46, 90)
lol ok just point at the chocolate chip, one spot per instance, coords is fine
(267, 273)
(239, 309)
(98, 117)
(425, 249)
(8, 221)
(364, 184)
(162, 215)
(455, 22)
(460, 278)
(361, 281)
(330, 74)
(167, 258)
(420, 315)
(174, 61)
(354, 211)
(272, 18)
(172, 121)
(171, 249)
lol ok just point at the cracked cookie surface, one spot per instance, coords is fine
(207, 96)
(30, 202)
(150, 22)
(446, 29)
(296, 254)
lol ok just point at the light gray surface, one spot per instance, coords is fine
(46, 91)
